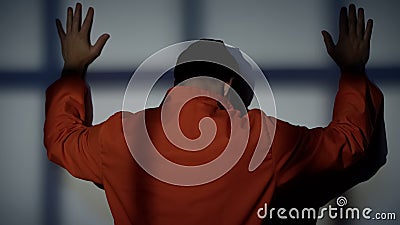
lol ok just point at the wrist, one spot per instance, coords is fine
(74, 70)
(358, 69)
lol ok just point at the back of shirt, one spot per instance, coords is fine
(208, 182)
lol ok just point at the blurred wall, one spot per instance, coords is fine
(283, 37)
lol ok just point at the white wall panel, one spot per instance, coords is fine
(22, 35)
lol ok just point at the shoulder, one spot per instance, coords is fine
(279, 130)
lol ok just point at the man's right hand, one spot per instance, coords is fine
(351, 52)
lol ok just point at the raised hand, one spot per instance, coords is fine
(351, 52)
(77, 50)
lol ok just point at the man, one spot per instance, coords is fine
(103, 153)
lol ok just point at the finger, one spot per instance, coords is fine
(87, 23)
(98, 47)
(69, 20)
(368, 30)
(360, 23)
(343, 22)
(352, 19)
(77, 20)
(329, 44)
(60, 30)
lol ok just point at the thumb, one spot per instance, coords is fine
(99, 45)
(329, 44)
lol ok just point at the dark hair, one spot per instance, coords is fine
(205, 57)
(202, 58)
(202, 68)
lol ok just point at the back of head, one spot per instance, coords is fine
(208, 58)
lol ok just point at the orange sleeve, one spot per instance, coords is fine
(69, 137)
(315, 152)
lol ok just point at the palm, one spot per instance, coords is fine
(77, 50)
(352, 48)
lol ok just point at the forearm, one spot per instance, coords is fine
(357, 102)
(67, 107)
(70, 139)
(357, 107)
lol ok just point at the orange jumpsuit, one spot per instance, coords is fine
(99, 153)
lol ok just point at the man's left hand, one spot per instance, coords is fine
(77, 50)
